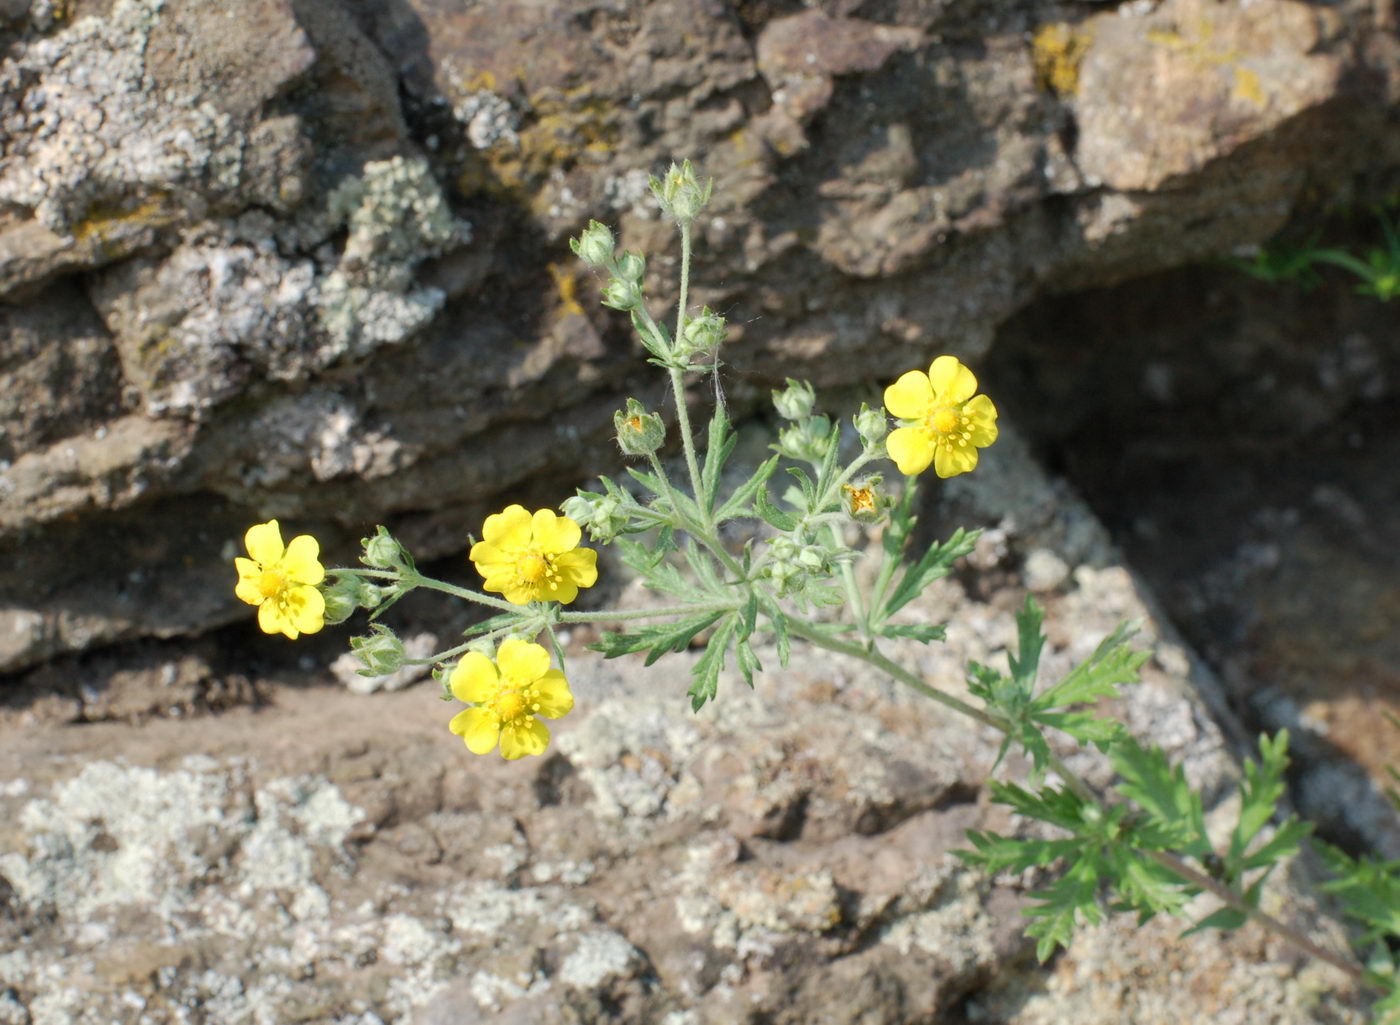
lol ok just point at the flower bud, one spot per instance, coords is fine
(594, 246)
(680, 194)
(639, 433)
(796, 401)
(808, 441)
(864, 502)
(631, 267)
(702, 334)
(871, 425)
(812, 559)
(381, 653)
(603, 515)
(622, 295)
(342, 598)
(383, 552)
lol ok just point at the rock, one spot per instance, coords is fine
(343, 857)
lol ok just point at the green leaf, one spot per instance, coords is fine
(747, 660)
(1260, 790)
(997, 853)
(778, 621)
(720, 444)
(1070, 897)
(1030, 641)
(1226, 919)
(1285, 842)
(1085, 727)
(1172, 806)
(705, 570)
(1060, 807)
(925, 632)
(656, 640)
(826, 473)
(935, 563)
(770, 513)
(1113, 662)
(686, 506)
(1144, 886)
(491, 623)
(738, 503)
(1368, 890)
(809, 491)
(705, 675)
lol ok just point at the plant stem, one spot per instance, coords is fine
(892, 669)
(624, 615)
(678, 379)
(418, 580)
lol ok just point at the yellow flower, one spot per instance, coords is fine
(944, 423)
(534, 558)
(281, 582)
(509, 697)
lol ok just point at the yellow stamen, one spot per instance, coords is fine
(944, 421)
(533, 569)
(635, 423)
(510, 705)
(270, 583)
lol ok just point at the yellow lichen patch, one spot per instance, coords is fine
(566, 283)
(104, 225)
(1248, 88)
(1057, 50)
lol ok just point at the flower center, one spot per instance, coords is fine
(533, 568)
(270, 583)
(635, 423)
(510, 706)
(944, 421)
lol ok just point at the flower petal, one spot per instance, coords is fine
(579, 566)
(521, 662)
(264, 543)
(555, 533)
(478, 728)
(508, 529)
(910, 397)
(247, 588)
(306, 608)
(552, 695)
(952, 382)
(529, 739)
(949, 462)
(271, 620)
(474, 678)
(982, 418)
(516, 592)
(301, 561)
(911, 448)
(564, 591)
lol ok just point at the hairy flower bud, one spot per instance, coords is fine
(639, 433)
(622, 295)
(594, 246)
(382, 551)
(603, 515)
(808, 441)
(632, 267)
(701, 334)
(872, 425)
(342, 598)
(680, 193)
(381, 652)
(796, 401)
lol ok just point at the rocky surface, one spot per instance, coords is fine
(265, 284)
(782, 857)
(309, 261)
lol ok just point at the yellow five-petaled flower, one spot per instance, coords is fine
(509, 697)
(944, 421)
(534, 558)
(281, 581)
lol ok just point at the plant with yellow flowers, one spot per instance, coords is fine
(1145, 841)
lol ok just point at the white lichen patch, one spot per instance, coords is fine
(950, 922)
(88, 131)
(600, 955)
(395, 216)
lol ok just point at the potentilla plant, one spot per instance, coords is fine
(1142, 846)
